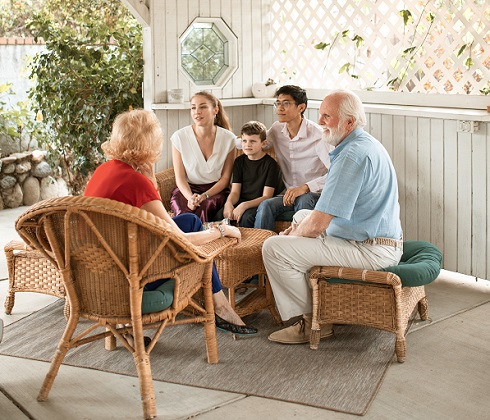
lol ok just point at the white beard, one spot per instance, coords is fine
(334, 136)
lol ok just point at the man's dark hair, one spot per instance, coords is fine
(297, 93)
(255, 128)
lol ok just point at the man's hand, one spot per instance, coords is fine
(292, 193)
(312, 226)
(290, 230)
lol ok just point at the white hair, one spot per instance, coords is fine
(350, 107)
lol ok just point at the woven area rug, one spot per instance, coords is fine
(343, 375)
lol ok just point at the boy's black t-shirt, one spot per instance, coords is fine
(254, 175)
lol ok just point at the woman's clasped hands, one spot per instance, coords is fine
(195, 201)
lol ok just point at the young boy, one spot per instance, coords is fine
(255, 176)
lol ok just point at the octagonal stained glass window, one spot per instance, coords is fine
(208, 52)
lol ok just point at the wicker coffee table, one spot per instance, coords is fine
(239, 263)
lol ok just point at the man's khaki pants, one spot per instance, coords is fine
(288, 260)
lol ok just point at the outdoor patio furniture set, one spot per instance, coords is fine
(99, 254)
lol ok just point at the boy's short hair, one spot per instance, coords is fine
(255, 127)
(297, 93)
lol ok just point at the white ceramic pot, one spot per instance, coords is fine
(260, 90)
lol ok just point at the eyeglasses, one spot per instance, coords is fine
(284, 104)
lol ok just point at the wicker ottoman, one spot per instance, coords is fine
(382, 299)
(238, 263)
(30, 271)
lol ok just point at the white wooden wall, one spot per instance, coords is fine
(248, 19)
(444, 185)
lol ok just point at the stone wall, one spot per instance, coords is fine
(26, 178)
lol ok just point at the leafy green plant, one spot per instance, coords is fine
(18, 124)
(91, 70)
(409, 54)
(14, 15)
(349, 67)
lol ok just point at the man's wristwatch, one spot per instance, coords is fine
(206, 195)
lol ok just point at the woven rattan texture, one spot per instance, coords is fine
(30, 271)
(239, 263)
(106, 252)
(376, 299)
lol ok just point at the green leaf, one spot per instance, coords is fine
(461, 50)
(321, 45)
(358, 40)
(408, 51)
(407, 16)
(345, 68)
(469, 63)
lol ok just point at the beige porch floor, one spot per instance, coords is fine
(446, 375)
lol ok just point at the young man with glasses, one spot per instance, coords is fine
(302, 156)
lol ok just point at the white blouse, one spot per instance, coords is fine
(198, 169)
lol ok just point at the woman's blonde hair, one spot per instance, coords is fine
(136, 138)
(221, 119)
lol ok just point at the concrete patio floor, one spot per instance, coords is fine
(446, 374)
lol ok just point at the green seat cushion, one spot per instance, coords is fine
(286, 216)
(420, 264)
(158, 299)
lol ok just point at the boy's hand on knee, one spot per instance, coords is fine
(228, 211)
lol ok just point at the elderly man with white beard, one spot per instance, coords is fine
(355, 223)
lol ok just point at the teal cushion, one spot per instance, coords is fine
(159, 299)
(286, 216)
(420, 264)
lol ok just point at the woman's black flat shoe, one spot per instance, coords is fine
(226, 326)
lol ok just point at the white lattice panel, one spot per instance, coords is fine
(298, 25)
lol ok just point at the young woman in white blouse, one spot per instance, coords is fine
(203, 155)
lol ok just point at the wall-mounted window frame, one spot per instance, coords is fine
(208, 52)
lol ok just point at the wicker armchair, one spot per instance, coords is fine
(166, 183)
(106, 252)
(379, 299)
(31, 271)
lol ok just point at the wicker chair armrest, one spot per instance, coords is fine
(355, 274)
(166, 183)
(16, 245)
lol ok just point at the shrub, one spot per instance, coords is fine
(19, 127)
(91, 70)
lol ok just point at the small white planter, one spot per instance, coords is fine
(260, 90)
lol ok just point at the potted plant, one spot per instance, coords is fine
(264, 89)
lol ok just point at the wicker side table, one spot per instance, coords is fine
(238, 263)
(30, 271)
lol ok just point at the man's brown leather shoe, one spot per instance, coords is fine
(299, 332)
